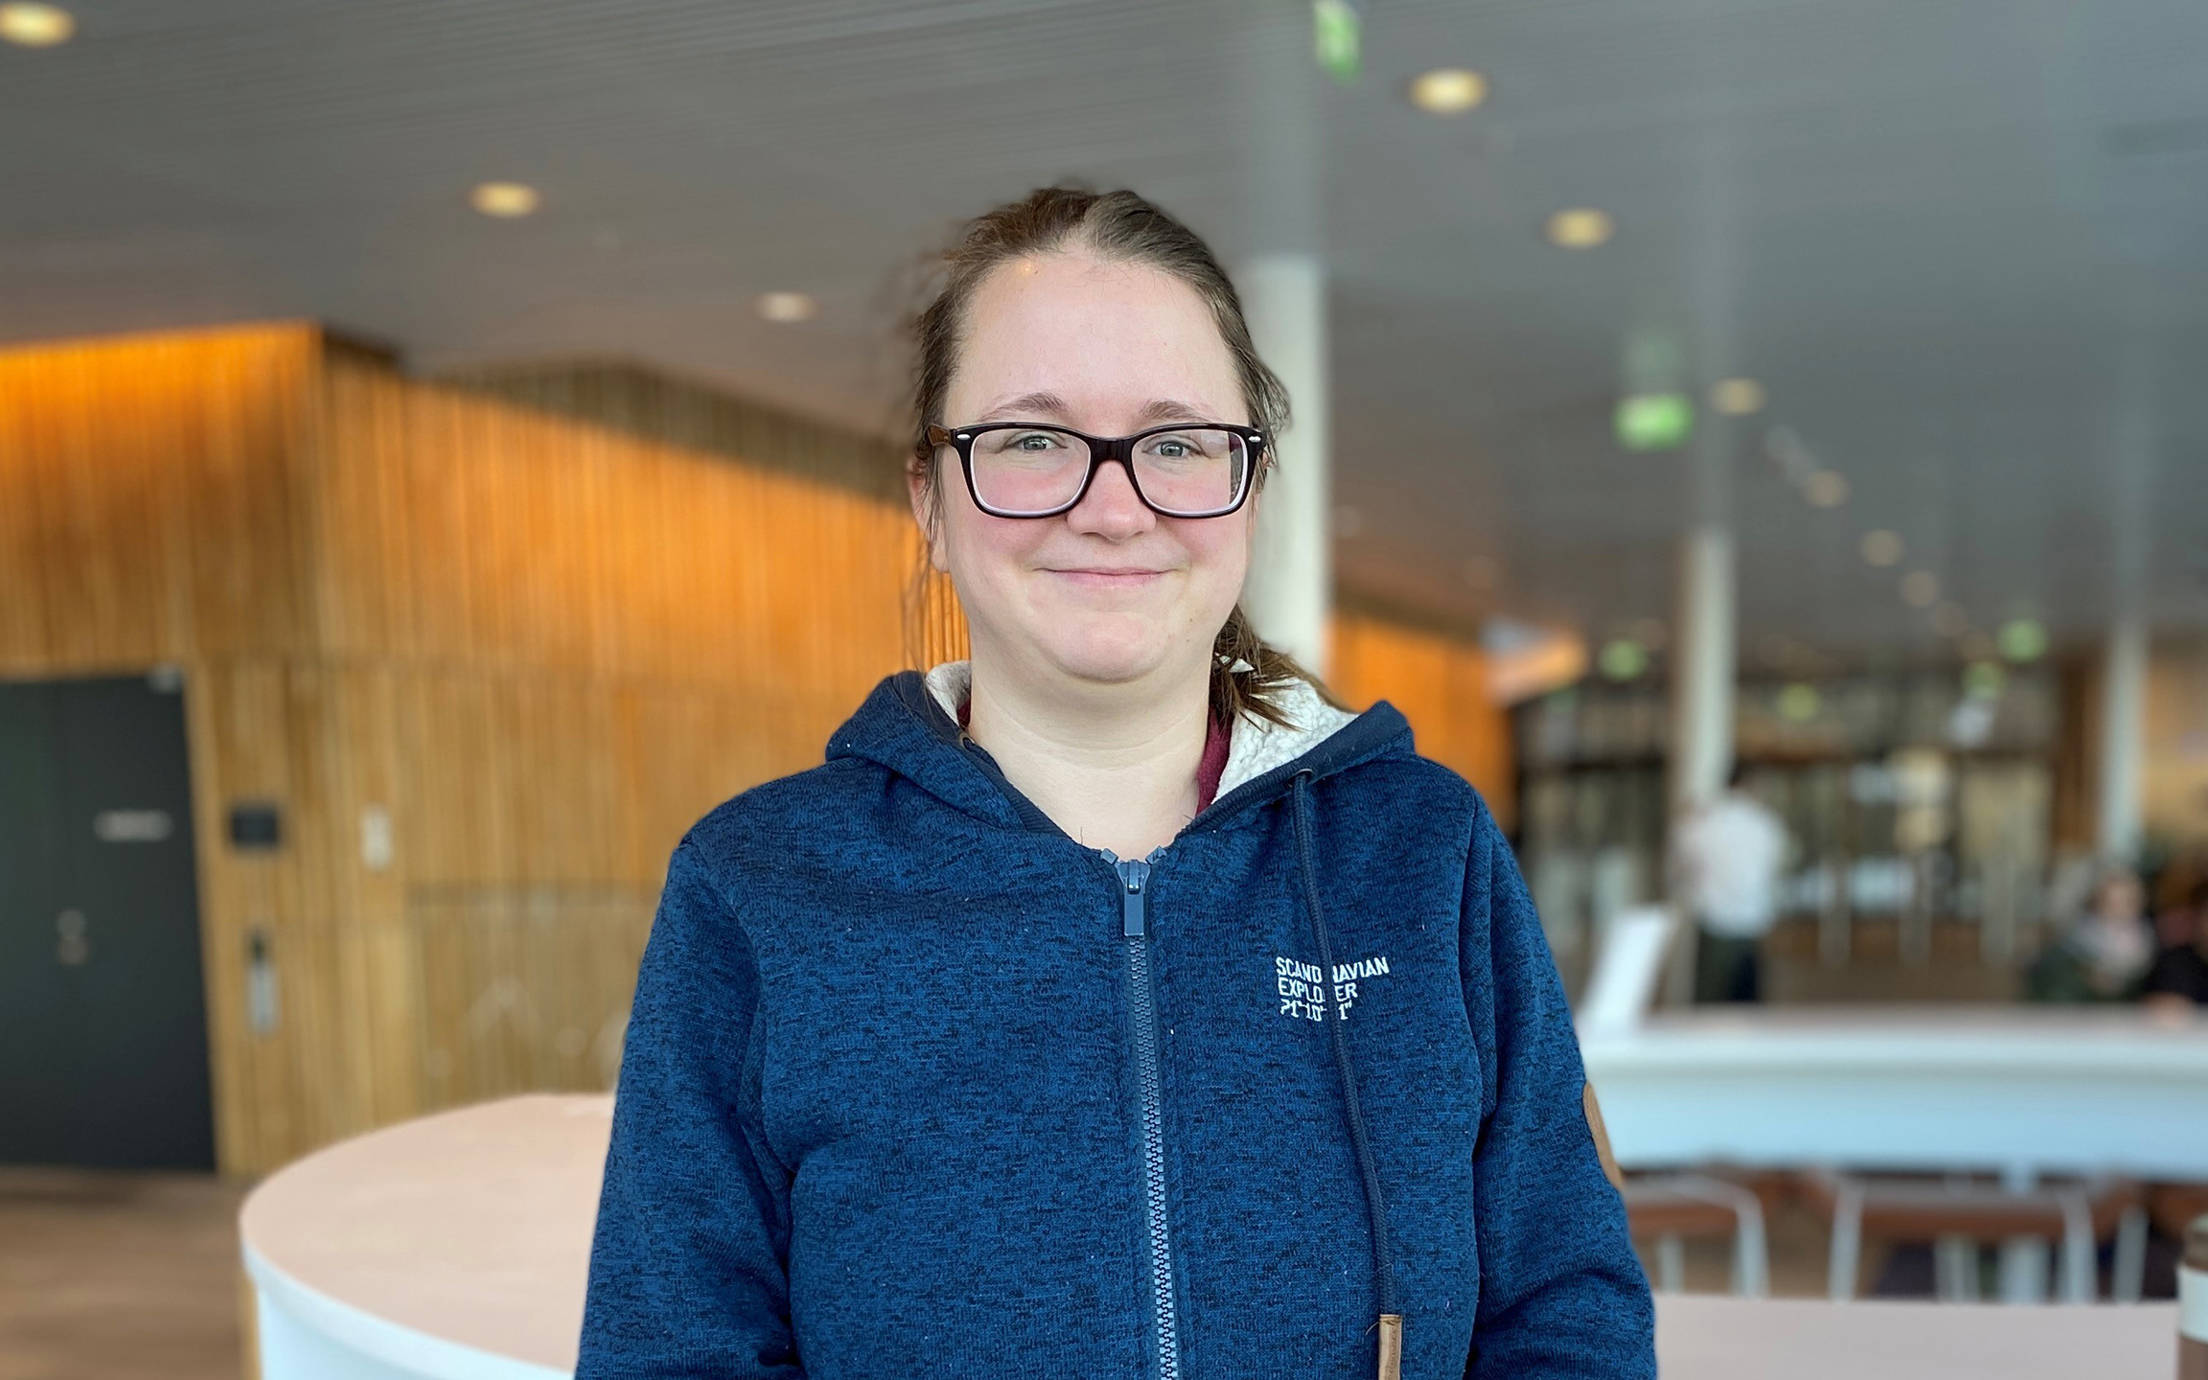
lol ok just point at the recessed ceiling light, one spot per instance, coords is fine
(1736, 397)
(1798, 703)
(1826, 488)
(1982, 680)
(2023, 639)
(1882, 547)
(1623, 659)
(786, 307)
(1448, 91)
(1581, 227)
(503, 200)
(36, 26)
(1952, 619)
(1921, 588)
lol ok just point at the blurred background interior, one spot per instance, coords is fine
(445, 448)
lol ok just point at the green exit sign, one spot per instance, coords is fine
(1654, 421)
(1335, 36)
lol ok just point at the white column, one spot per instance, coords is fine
(1289, 594)
(2123, 735)
(1702, 666)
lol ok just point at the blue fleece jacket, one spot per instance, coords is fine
(917, 1085)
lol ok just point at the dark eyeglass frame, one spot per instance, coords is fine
(1102, 449)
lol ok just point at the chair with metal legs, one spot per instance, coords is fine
(1959, 1213)
(1671, 1208)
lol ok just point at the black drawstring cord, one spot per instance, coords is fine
(1383, 1262)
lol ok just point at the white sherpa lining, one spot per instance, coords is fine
(1254, 747)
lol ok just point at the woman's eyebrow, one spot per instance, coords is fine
(1044, 402)
(1169, 410)
(1049, 404)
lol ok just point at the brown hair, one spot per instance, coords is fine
(1124, 227)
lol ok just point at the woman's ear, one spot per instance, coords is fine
(924, 514)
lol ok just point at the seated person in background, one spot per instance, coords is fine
(2179, 977)
(2104, 952)
(2184, 895)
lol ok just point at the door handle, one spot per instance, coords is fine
(72, 946)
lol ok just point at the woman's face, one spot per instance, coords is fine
(2119, 897)
(1108, 590)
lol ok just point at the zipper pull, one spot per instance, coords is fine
(1391, 1346)
(1134, 917)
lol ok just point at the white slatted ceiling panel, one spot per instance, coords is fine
(1960, 240)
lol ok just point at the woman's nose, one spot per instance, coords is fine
(1111, 507)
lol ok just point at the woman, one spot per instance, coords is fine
(2105, 951)
(1002, 1043)
(2178, 981)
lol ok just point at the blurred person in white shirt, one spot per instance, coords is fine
(1726, 856)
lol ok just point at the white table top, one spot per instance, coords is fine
(2032, 1039)
(2026, 1090)
(457, 1246)
(471, 1227)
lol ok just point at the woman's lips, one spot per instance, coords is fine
(1108, 579)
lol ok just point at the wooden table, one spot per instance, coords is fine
(456, 1248)
(1714, 1337)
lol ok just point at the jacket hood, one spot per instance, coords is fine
(909, 725)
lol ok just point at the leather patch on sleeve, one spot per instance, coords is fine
(1602, 1137)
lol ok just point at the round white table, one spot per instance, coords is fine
(456, 1248)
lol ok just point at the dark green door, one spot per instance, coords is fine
(103, 1021)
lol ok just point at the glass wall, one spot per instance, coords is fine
(1910, 797)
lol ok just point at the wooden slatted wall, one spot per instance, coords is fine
(566, 641)
(1440, 684)
(150, 491)
(541, 642)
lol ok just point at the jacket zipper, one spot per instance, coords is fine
(1134, 874)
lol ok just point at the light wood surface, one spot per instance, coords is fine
(1707, 1337)
(108, 1275)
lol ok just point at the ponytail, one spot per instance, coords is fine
(1247, 675)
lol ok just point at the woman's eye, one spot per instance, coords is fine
(1186, 445)
(1034, 440)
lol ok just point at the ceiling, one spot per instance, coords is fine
(1962, 243)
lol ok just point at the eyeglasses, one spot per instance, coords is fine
(1020, 470)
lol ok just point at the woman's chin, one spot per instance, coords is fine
(1099, 650)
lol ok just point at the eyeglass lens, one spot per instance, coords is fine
(1036, 469)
